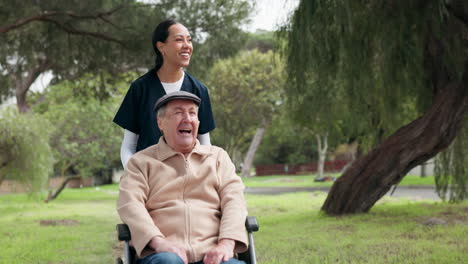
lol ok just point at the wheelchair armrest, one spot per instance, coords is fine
(251, 224)
(123, 232)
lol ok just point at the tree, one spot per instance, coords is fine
(246, 91)
(286, 142)
(391, 62)
(25, 155)
(322, 146)
(65, 38)
(83, 139)
(261, 40)
(218, 35)
(71, 38)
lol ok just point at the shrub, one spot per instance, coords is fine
(25, 154)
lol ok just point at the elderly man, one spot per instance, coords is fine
(183, 201)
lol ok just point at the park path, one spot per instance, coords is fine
(411, 192)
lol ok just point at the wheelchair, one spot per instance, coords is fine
(130, 257)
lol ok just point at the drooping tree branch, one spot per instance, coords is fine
(51, 17)
(19, 23)
(74, 31)
(458, 9)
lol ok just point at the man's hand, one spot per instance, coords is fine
(160, 244)
(224, 251)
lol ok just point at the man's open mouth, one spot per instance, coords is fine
(185, 131)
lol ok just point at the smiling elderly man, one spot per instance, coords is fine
(183, 201)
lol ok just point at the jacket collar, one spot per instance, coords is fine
(164, 151)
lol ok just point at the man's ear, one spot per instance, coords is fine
(160, 123)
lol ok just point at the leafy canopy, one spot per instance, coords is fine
(84, 140)
(366, 57)
(246, 92)
(70, 38)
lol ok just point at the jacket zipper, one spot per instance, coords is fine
(187, 210)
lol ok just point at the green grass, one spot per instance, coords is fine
(84, 233)
(292, 230)
(308, 181)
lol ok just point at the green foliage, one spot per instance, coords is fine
(286, 142)
(104, 87)
(75, 39)
(375, 66)
(262, 40)
(68, 39)
(25, 155)
(78, 37)
(366, 57)
(245, 92)
(84, 139)
(218, 35)
(451, 168)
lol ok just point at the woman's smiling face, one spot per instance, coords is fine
(177, 49)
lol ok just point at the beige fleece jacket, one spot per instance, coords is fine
(193, 200)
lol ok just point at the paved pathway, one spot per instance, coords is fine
(413, 192)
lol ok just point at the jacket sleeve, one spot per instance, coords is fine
(133, 194)
(233, 207)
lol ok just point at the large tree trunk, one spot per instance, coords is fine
(251, 152)
(372, 176)
(23, 84)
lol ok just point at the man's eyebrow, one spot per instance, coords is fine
(183, 109)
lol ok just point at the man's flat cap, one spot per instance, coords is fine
(174, 96)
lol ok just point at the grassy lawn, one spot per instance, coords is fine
(395, 231)
(76, 228)
(79, 227)
(308, 181)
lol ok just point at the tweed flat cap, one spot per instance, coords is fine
(176, 95)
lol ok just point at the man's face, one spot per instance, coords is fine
(179, 125)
